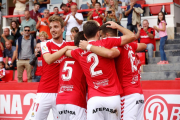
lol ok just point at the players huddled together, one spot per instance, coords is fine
(95, 77)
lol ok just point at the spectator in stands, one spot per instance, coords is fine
(92, 5)
(43, 4)
(34, 12)
(97, 15)
(42, 37)
(56, 11)
(10, 52)
(146, 35)
(28, 22)
(125, 1)
(163, 36)
(0, 10)
(66, 10)
(43, 24)
(73, 20)
(114, 5)
(74, 31)
(106, 3)
(7, 37)
(20, 7)
(15, 30)
(2, 70)
(70, 3)
(110, 16)
(25, 48)
(36, 62)
(1, 51)
(129, 12)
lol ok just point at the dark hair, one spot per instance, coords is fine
(164, 18)
(17, 25)
(63, 5)
(26, 27)
(75, 29)
(2, 62)
(79, 36)
(90, 28)
(98, 3)
(36, 4)
(106, 29)
(55, 7)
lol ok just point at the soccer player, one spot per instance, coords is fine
(104, 88)
(127, 66)
(48, 86)
(71, 98)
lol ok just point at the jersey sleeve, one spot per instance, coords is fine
(44, 48)
(111, 42)
(75, 54)
(134, 46)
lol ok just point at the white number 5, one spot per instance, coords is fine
(69, 69)
(96, 62)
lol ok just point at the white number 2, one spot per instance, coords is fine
(132, 59)
(93, 66)
(69, 69)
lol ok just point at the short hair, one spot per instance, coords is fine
(56, 18)
(75, 29)
(145, 20)
(90, 28)
(63, 5)
(26, 27)
(2, 62)
(36, 4)
(46, 10)
(17, 25)
(106, 29)
(55, 7)
(79, 36)
(43, 33)
(98, 3)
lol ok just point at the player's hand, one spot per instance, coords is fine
(112, 25)
(83, 44)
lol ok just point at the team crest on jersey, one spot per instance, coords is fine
(32, 115)
(44, 48)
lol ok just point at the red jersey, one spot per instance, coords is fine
(127, 70)
(50, 73)
(97, 17)
(39, 67)
(72, 3)
(100, 72)
(145, 38)
(72, 82)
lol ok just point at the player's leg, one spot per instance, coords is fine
(129, 106)
(54, 109)
(113, 108)
(140, 115)
(42, 106)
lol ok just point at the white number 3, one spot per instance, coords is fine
(96, 62)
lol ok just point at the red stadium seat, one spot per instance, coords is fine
(142, 57)
(141, 2)
(8, 76)
(167, 9)
(154, 10)
(24, 76)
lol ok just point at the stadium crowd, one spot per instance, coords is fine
(36, 48)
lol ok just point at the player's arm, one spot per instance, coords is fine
(127, 37)
(101, 51)
(141, 47)
(68, 53)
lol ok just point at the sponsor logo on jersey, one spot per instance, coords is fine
(67, 112)
(162, 107)
(100, 83)
(104, 109)
(54, 49)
